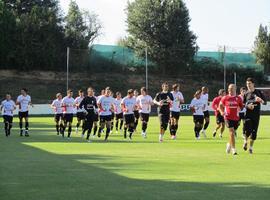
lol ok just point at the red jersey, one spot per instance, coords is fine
(232, 105)
(215, 104)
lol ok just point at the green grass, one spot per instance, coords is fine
(47, 167)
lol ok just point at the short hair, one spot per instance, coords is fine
(118, 93)
(175, 86)
(144, 89)
(165, 83)
(24, 89)
(90, 88)
(242, 88)
(197, 92)
(130, 91)
(107, 88)
(58, 94)
(69, 91)
(221, 91)
(249, 79)
(204, 88)
(80, 91)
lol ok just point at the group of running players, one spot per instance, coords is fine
(106, 109)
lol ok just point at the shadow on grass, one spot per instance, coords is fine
(30, 173)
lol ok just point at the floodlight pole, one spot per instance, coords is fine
(67, 66)
(146, 68)
(235, 78)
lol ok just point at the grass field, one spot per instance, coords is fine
(47, 167)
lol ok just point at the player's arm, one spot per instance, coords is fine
(157, 100)
(261, 99)
(221, 108)
(214, 105)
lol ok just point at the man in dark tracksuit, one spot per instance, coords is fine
(253, 100)
(89, 104)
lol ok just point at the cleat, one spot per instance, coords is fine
(214, 134)
(204, 134)
(220, 135)
(245, 146)
(250, 151)
(235, 153)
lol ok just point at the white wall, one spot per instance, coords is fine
(45, 109)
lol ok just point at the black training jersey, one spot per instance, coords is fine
(89, 104)
(165, 97)
(249, 98)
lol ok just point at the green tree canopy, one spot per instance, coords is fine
(262, 48)
(162, 26)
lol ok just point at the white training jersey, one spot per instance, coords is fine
(8, 107)
(144, 103)
(129, 104)
(117, 106)
(24, 102)
(57, 104)
(106, 104)
(176, 104)
(198, 105)
(68, 104)
(78, 100)
(204, 98)
(244, 109)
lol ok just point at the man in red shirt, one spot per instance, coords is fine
(229, 108)
(219, 118)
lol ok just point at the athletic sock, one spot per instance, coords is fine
(116, 125)
(121, 124)
(125, 132)
(95, 130)
(108, 130)
(144, 126)
(69, 130)
(205, 125)
(26, 126)
(57, 128)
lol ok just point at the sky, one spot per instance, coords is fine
(233, 23)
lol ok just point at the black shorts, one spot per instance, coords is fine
(80, 116)
(220, 119)
(232, 124)
(206, 114)
(105, 118)
(198, 119)
(129, 119)
(8, 119)
(164, 118)
(95, 117)
(136, 114)
(175, 115)
(251, 126)
(119, 116)
(144, 117)
(242, 115)
(112, 116)
(23, 114)
(58, 117)
(68, 117)
(88, 121)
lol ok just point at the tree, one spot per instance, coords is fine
(161, 26)
(262, 48)
(82, 28)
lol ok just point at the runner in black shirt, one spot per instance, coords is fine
(163, 100)
(89, 104)
(253, 100)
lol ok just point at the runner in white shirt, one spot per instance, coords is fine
(105, 104)
(113, 114)
(205, 99)
(24, 101)
(68, 104)
(197, 106)
(175, 109)
(144, 103)
(128, 105)
(7, 107)
(80, 112)
(58, 113)
(118, 112)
